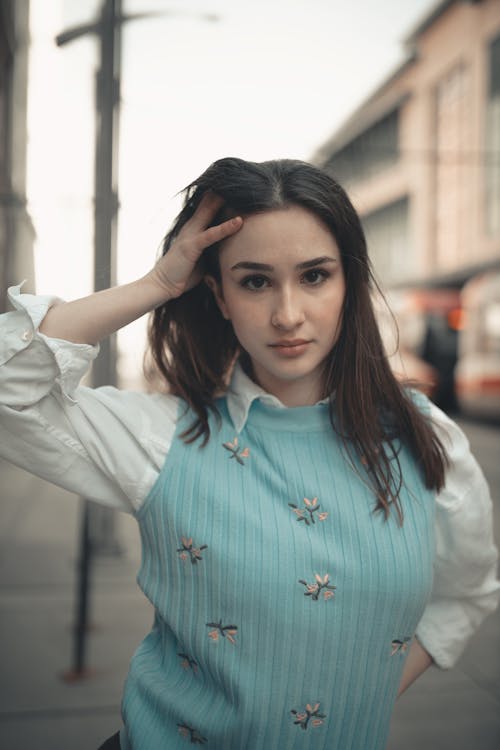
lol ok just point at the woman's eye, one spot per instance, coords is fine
(315, 276)
(254, 283)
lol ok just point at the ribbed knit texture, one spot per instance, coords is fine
(252, 648)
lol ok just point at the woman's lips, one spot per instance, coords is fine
(292, 348)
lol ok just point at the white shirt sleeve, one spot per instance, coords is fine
(105, 444)
(465, 588)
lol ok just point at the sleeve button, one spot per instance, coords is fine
(26, 336)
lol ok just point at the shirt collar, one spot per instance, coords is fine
(242, 392)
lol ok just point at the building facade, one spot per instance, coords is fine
(421, 157)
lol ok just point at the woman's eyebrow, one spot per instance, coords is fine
(251, 266)
(316, 262)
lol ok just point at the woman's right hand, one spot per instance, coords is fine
(178, 270)
(90, 319)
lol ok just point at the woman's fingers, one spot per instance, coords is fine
(197, 232)
(219, 232)
(204, 214)
(178, 270)
(193, 241)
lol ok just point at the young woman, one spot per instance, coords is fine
(314, 533)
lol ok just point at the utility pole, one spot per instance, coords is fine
(107, 29)
(97, 527)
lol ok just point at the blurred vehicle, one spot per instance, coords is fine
(428, 321)
(477, 373)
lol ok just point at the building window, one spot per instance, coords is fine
(389, 242)
(492, 161)
(454, 169)
(369, 153)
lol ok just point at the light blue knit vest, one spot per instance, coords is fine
(285, 606)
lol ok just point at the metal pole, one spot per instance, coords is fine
(98, 525)
(103, 521)
(79, 670)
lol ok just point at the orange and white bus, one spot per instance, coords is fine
(477, 372)
(428, 322)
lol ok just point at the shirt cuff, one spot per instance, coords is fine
(72, 359)
(448, 624)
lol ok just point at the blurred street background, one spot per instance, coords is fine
(107, 109)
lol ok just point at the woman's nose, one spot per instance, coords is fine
(288, 312)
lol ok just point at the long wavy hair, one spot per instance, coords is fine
(194, 348)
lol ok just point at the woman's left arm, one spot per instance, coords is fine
(466, 588)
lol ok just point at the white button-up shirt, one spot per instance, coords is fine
(110, 445)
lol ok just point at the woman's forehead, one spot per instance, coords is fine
(282, 233)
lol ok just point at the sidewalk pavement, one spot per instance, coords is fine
(38, 549)
(444, 710)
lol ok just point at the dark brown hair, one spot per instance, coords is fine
(194, 347)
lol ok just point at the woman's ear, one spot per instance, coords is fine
(216, 289)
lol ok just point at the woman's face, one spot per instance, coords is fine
(282, 289)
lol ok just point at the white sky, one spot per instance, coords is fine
(270, 78)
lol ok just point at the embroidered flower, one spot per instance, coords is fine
(311, 714)
(322, 584)
(236, 452)
(195, 737)
(188, 549)
(400, 647)
(225, 631)
(188, 663)
(307, 512)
